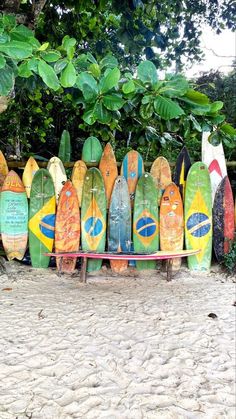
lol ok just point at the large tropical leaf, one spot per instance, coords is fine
(167, 108)
(101, 113)
(16, 49)
(88, 85)
(110, 80)
(68, 76)
(174, 87)
(113, 102)
(6, 80)
(48, 75)
(147, 72)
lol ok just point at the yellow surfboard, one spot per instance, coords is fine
(161, 173)
(30, 169)
(57, 171)
(77, 178)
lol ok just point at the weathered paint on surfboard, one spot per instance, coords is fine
(30, 169)
(3, 174)
(223, 219)
(67, 228)
(161, 173)
(108, 169)
(14, 216)
(41, 218)
(92, 150)
(119, 223)
(77, 178)
(183, 164)
(93, 215)
(172, 222)
(132, 168)
(145, 219)
(214, 158)
(58, 174)
(198, 216)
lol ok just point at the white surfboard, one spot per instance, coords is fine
(57, 171)
(214, 158)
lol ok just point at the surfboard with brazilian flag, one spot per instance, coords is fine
(41, 218)
(183, 164)
(198, 216)
(93, 216)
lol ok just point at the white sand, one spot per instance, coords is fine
(116, 347)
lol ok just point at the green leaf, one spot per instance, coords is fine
(48, 75)
(2, 62)
(113, 102)
(69, 46)
(91, 58)
(60, 65)
(228, 129)
(24, 71)
(89, 117)
(21, 32)
(44, 46)
(195, 123)
(167, 108)
(147, 72)
(102, 113)
(88, 85)
(65, 147)
(146, 111)
(128, 87)
(216, 106)
(109, 61)
(6, 80)
(197, 98)
(68, 76)
(175, 87)
(214, 138)
(147, 99)
(16, 50)
(95, 70)
(33, 64)
(51, 56)
(110, 80)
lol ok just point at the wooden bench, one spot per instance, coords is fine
(159, 255)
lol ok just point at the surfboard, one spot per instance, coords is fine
(67, 227)
(58, 174)
(145, 219)
(198, 216)
(183, 164)
(14, 216)
(92, 150)
(108, 169)
(172, 222)
(3, 174)
(223, 219)
(132, 168)
(214, 158)
(161, 173)
(77, 178)
(93, 215)
(64, 152)
(3, 169)
(119, 223)
(42, 210)
(30, 169)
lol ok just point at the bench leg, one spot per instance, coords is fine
(60, 267)
(169, 269)
(83, 272)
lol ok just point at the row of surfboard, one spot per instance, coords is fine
(146, 227)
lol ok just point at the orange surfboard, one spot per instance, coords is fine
(30, 169)
(67, 228)
(3, 169)
(77, 178)
(172, 222)
(161, 173)
(108, 169)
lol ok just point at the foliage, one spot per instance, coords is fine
(229, 260)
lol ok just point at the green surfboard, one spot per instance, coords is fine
(92, 150)
(42, 210)
(198, 216)
(145, 220)
(93, 216)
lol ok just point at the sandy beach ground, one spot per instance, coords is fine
(119, 347)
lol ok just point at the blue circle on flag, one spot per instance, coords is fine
(93, 226)
(146, 226)
(198, 224)
(47, 226)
